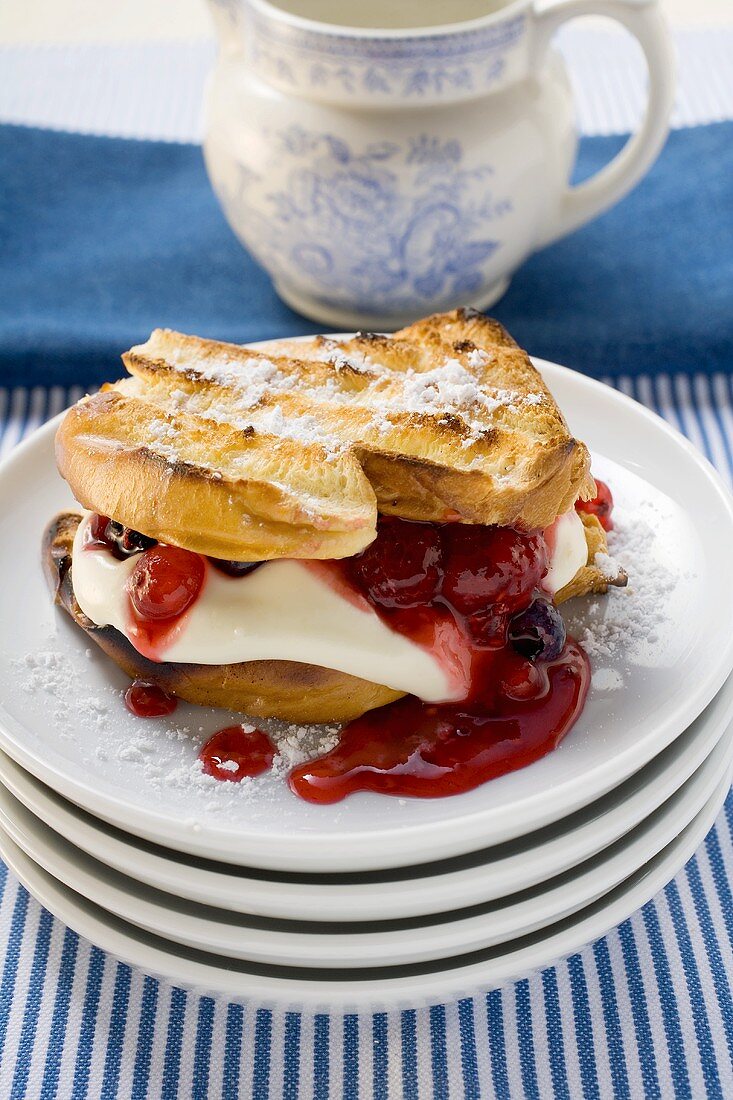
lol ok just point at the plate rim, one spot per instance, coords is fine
(298, 994)
(577, 889)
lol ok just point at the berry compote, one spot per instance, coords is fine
(104, 533)
(478, 591)
(601, 505)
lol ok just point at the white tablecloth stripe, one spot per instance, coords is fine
(155, 90)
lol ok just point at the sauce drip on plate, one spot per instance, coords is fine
(410, 748)
(237, 752)
(146, 700)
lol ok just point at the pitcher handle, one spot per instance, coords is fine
(642, 18)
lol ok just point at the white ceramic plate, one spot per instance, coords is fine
(364, 944)
(360, 991)
(405, 892)
(61, 715)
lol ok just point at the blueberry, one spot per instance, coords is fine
(538, 631)
(235, 568)
(124, 542)
(133, 542)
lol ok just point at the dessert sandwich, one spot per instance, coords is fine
(375, 531)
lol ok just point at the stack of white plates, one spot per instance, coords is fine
(243, 890)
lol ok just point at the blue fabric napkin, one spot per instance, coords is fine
(103, 239)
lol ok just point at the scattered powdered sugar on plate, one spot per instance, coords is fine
(49, 672)
(227, 766)
(164, 751)
(296, 744)
(606, 679)
(621, 624)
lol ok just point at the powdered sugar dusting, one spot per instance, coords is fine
(447, 389)
(355, 361)
(253, 377)
(305, 428)
(162, 435)
(611, 569)
(623, 624)
(259, 386)
(478, 358)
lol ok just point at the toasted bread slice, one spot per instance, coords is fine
(447, 419)
(215, 492)
(269, 689)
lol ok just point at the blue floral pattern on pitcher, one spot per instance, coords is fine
(410, 67)
(348, 222)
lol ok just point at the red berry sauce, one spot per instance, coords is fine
(147, 700)
(453, 588)
(236, 752)
(601, 505)
(410, 748)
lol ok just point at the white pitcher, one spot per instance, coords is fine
(379, 174)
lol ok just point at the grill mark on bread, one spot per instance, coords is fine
(459, 418)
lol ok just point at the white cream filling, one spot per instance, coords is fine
(282, 611)
(568, 550)
(286, 611)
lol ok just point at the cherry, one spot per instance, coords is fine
(148, 700)
(235, 568)
(601, 506)
(165, 580)
(97, 531)
(495, 567)
(402, 567)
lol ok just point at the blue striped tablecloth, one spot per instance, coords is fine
(645, 1012)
